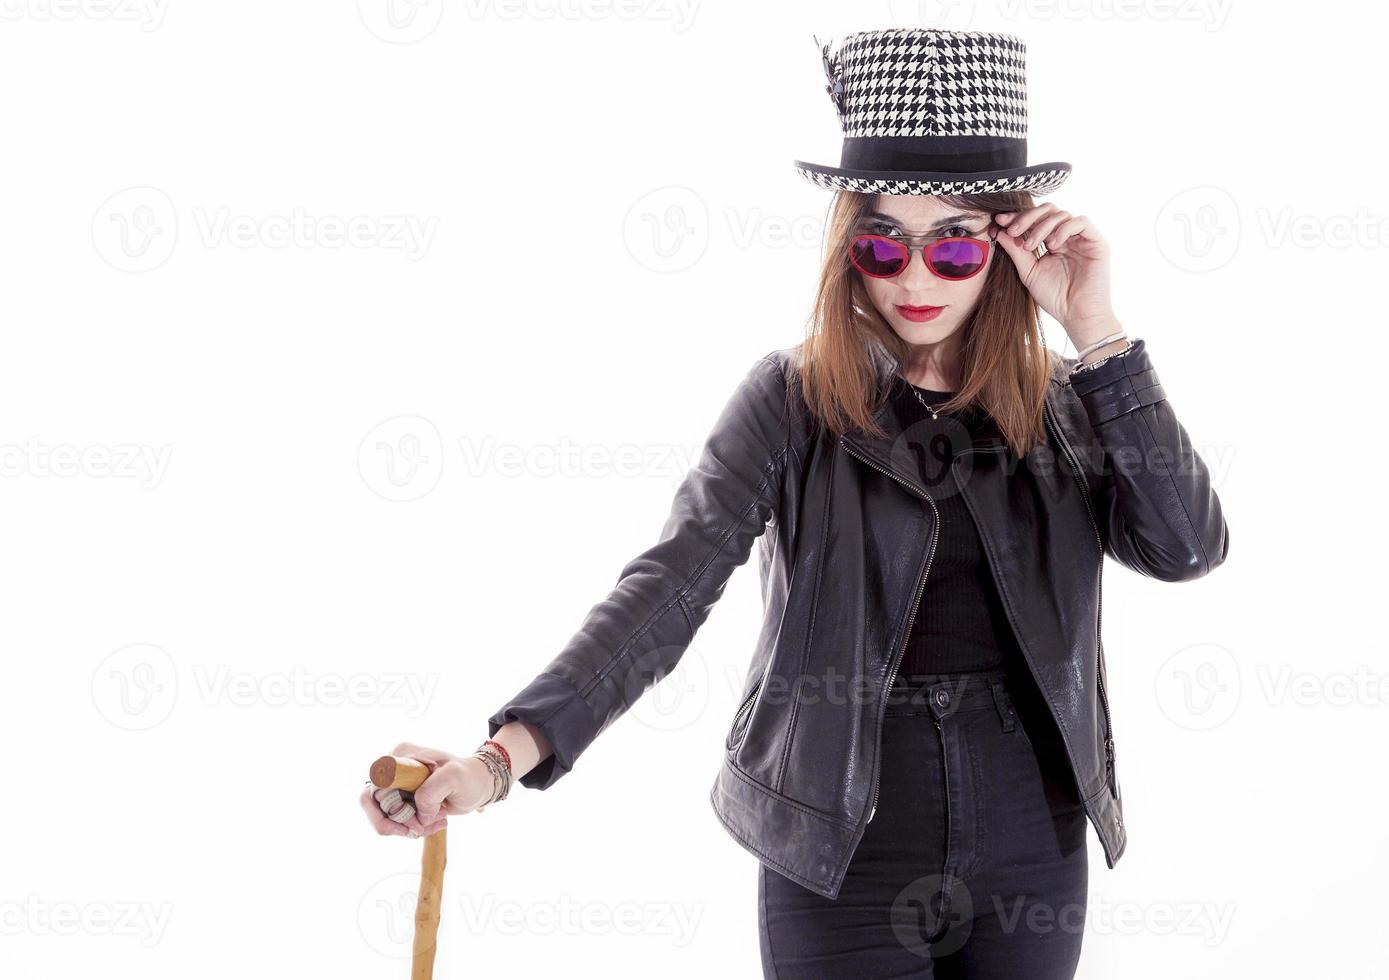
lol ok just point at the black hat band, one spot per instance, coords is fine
(937, 154)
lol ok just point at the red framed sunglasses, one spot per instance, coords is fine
(950, 258)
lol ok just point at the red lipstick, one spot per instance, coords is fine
(919, 314)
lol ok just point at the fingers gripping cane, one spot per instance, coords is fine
(402, 776)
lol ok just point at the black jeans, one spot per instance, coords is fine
(975, 862)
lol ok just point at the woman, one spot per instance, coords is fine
(925, 732)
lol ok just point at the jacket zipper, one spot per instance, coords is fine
(738, 716)
(1099, 600)
(911, 619)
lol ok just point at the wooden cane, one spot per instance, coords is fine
(396, 772)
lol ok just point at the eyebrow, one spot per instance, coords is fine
(953, 219)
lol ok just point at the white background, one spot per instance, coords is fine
(222, 574)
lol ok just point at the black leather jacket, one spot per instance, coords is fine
(850, 536)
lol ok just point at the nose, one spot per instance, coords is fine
(917, 278)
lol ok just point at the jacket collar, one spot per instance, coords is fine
(879, 448)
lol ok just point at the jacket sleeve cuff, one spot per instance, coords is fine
(1119, 385)
(553, 705)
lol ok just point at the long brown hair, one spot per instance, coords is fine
(1005, 367)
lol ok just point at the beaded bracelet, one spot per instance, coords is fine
(506, 756)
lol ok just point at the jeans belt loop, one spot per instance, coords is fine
(1004, 704)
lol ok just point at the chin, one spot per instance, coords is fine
(930, 332)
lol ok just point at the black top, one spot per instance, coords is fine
(960, 621)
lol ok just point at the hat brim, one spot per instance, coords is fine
(1039, 179)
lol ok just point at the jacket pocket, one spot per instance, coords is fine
(739, 727)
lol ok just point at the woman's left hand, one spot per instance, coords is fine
(1071, 280)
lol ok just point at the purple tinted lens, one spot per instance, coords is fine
(957, 259)
(878, 257)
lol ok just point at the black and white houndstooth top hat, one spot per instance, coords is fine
(929, 111)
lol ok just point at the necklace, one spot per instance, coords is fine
(929, 407)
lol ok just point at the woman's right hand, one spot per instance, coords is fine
(455, 785)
